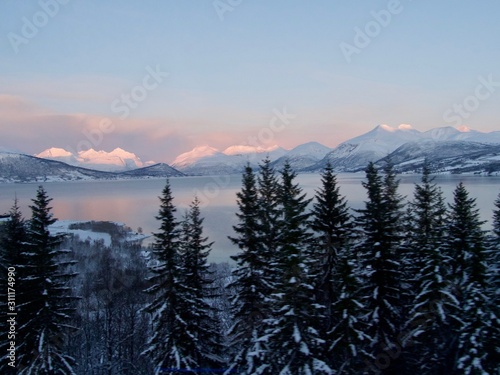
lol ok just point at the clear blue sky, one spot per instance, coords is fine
(230, 70)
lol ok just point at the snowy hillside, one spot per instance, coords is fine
(26, 168)
(303, 155)
(447, 157)
(354, 154)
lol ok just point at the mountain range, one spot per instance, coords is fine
(449, 150)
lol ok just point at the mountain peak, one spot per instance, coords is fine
(54, 152)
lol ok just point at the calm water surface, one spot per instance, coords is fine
(136, 202)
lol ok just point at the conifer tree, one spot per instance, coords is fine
(269, 220)
(251, 289)
(434, 309)
(465, 238)
(14, 238)
(332, 226)
(12, 247)
(204, 347)
(492, 342)
(268, 226)
(347, 338)
(380, 223)
(170, 333)
(295, 346)
(466, 248)
(47, 298)
(496, 218)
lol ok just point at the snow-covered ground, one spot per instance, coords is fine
(63, 226)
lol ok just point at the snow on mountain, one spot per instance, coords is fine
(246, 149)
(312, 149)
(350, 156)
(116, 160)
(303, 155)
(384, 138)
(449, 156)
(206, 160)
(356, 153)
(463, 133)
(446, 133)
(198, 153)
(59, 154)
(54, 152)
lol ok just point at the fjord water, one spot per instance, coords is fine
(135, 202)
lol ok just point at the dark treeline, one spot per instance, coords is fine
(397, 287)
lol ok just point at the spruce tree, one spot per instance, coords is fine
(380, 225)
(492, 342)
(14, 239)
(269, 225)
(204, 346)
(434, 309)
(466, 249)
(347, 338)
(12, 248)
(335, 274)
(47, 300)
(295, 346)
(269, 221)
(332, 226)
(496, 218)
(465, 238)
(165, 347)
(251, 290)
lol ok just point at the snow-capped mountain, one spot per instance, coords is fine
(356, 153)
(350, 156)
(449, 149)
(197, 154)
(59, 154)
(206, 160)
(353, 155)
(116, 160)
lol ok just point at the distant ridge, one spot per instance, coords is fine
(25, 168)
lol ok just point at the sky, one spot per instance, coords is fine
(158, 78)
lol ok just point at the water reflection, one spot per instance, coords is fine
(136, 202)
